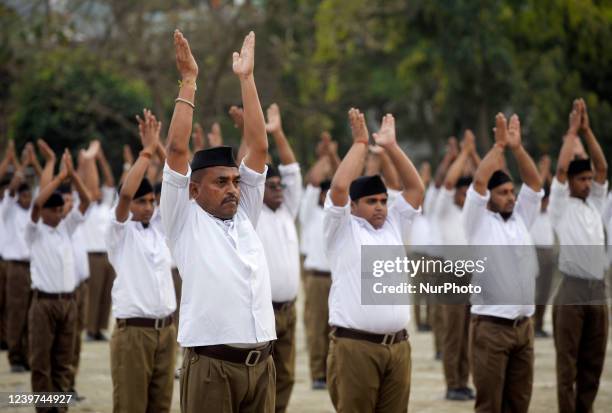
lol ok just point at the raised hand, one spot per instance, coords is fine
(274, 123)
(243, 63)
(452, 147)
(149, 130)
(386, 134)
(93, 150)
(128, 157)
(198, 137)
(584, 116)
(501, 130)
(544, 164)
(237, 115)
(215, 138)
(376, 150)
(66, 168)
(575, 118)
(185, 62)
(322, 146)
(359, 128)
(514, 132)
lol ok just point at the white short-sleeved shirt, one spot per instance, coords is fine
(52, 266)
(448, 215)
(16, 219)
(311, 225)
(344, 235)
(277, 232)
(143, 286)
(580, 229)
(542, 231)
(509, 272)
(226, 294)
(97, 221)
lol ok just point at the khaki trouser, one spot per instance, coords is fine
(367, 377)
(178, 284)
(547, 264)
(2, 301)
(52, 331)
(437, 327)
(581, 337)
(212, 385)
(501, 360)
(316, 320)
(18, 294)
(82, 297)
(456, 337)
(101, 280)
(142, 368)
(284, 355)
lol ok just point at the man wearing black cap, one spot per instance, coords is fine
(369, 360)
(456, 314)
(143, 344)
(501, 330)
(53, 312)
(209, 211)
(580, 315)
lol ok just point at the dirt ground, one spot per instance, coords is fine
(427, 394)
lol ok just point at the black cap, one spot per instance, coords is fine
(55, 200)
(498, 178)
(6, 180)
(23, 188)
(158, 188)
(578, 166)
(464, 181)
(272, 171)
(366, 186)
(144, 188)
(217, 156)
(325, 185)
(64, 189)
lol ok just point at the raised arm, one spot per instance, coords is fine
(47, 174)
(413, 191)
(19, 174)
(237, 115)
(150, 140)
(33, 160)
(494, 159)
(452, 150)
(352, 164)
(46, 191)
(9, 155)
(255, 136)
(180, 125)
(527, 167)
(387, 168)
(107, 173)
(544, 164)
(597, 156)
(215, 138)
(456, 169)
(275, 127)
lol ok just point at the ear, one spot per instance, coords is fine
(194, 190)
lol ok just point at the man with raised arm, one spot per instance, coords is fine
(447, 211)
(501, 329)
(210, 210)
(53, 312)
(369, 360)
(276, 229)
(580, 316)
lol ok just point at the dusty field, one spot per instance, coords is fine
(427, 393)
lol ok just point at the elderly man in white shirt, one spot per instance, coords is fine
(580, 314)
(209, 211)
(369, 360)
(143, 344)
(447, 211)
(53, 312)
(276, 229)
(501, 330)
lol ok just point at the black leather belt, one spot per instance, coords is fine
(510, 322)
(282, 305)
(246, 356)
(386, 339)
(97, 254)
(53, 296)
(19, 262)
(318, 273)
(156, 323)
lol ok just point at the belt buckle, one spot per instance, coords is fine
(159, 323)
(388, 339)
(249, 362)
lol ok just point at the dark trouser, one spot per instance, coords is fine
(18, 295)
(178, 284)
(82, 297)
(142, 368)
(456, 337)
(437, 326)
(581, 336)
(2, 301)
(501, 360)
(316, 320)
(101, 280)
(284, 355)
(547, 264)
(368, 377)
(52, 331)
(212, 385)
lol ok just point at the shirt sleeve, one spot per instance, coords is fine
(597, 196)
(430, 199)
(559, 195)
(291, 178)
(474, 210)
(252, 187)
(443, 202)
(174, 201)
(528, 204)
(114, 236)
(108, 195)
(336, 222)
(9, 205)
(607, 214)
(31, 231)
(401, 216)
(73, 220)
(308, 204)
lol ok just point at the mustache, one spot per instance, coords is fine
(229, 198)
